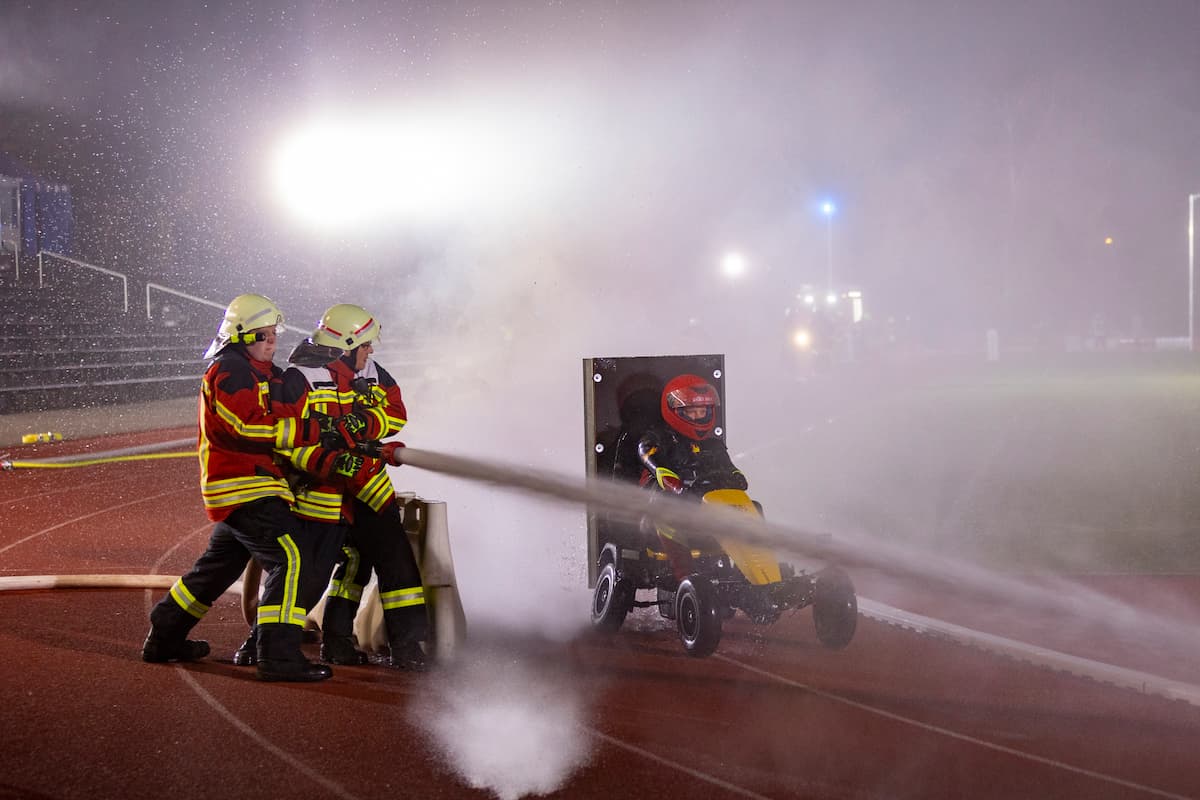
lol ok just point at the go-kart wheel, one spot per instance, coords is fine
(611, 600)
(835, 608)
(697, 616)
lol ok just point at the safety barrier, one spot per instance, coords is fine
(425, 522)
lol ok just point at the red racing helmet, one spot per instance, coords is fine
(689, 405)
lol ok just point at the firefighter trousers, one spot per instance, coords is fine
(296, 558)
(377, 541)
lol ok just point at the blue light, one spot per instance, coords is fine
(828, 208)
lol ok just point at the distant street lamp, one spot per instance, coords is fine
(828, 209)
(1192, 270)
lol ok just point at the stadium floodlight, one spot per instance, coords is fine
(361, 170)
(733, 265)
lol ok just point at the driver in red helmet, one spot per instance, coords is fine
(685, 451)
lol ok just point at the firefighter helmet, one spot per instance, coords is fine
(346, 327)
(246, 312)
(689, 405)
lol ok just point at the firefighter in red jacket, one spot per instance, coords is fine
(331, 373)
(376, 539)
(246, 495)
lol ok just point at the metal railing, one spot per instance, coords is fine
(168, 290)
(193, 298)
(76, 262)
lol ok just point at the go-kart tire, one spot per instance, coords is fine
(697, 616)
(611, 600)
(835, 608)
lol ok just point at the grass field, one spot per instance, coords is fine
(1087, 464)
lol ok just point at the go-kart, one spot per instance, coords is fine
(720, 576)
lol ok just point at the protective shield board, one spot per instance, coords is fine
(621, 397)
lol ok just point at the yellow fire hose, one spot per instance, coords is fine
(138, 453)
(5, 464)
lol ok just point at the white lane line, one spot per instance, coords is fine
(182, 541)
(104, 510)
(962, 737)
(702, 776)
(1142, 682)
(13, 501)
(259, 739)
(229, 716)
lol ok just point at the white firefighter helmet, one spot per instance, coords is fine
(346, 327)
(245, 313)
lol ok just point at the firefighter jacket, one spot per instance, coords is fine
(324, 489)
(240, 432)
(375, 388)
(665, 452)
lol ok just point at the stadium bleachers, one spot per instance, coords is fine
(75, 343)
(76, 336)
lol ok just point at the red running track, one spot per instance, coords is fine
(773, 714)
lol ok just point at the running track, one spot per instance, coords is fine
(895, 715)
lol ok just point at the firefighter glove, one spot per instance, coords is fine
(343, 433)
(355, 466)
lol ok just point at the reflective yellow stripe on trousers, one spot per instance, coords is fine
(400, 598)
(187, 601)
(287, 612)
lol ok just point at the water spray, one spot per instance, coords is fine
(629, 503)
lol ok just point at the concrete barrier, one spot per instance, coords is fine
(428, 530)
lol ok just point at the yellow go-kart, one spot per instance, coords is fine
(701, 581)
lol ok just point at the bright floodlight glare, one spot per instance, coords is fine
(733, 265)
(831, 298)
(828, 208)
(350, 174)
(809, 299)
(802, 339)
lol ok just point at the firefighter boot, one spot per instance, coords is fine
(247, 654)
(167, 640)
(280, 658)
(407, 627)
(409, 656)
(337, 633)
(158, 649)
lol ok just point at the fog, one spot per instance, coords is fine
(978, 155)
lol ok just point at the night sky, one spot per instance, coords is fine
(978, 153)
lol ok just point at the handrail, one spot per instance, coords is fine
(193, 298)
(177, 293)
(113, 273)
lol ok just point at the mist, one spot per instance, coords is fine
(979, 157)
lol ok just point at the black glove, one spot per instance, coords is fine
(342, 433)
